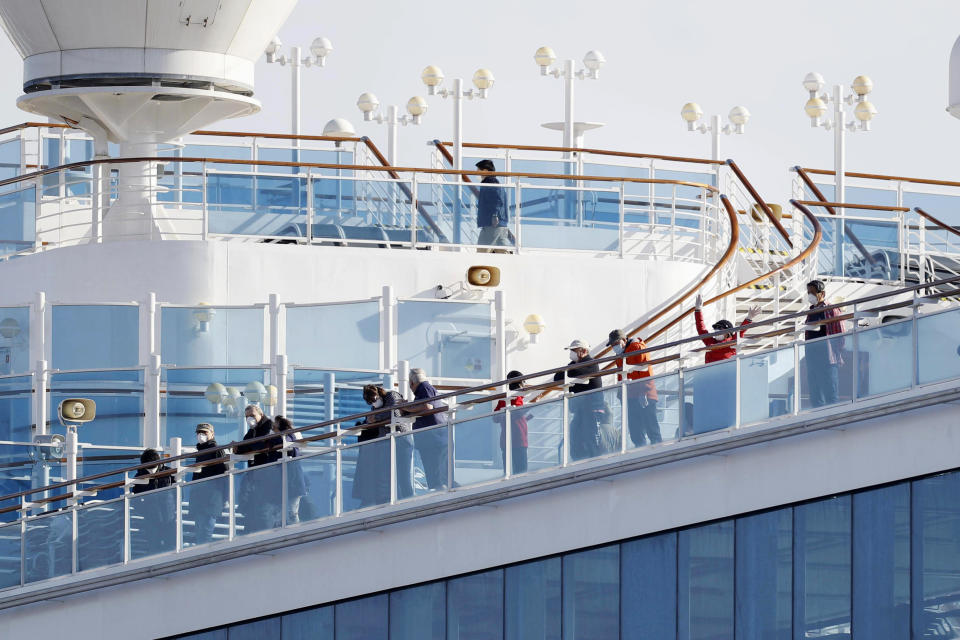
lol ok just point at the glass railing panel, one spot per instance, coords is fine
(219, 151)
(95, 336)
(549, 167)
(355, 344)
(185, 402)
(378, 214)
(426, 451)
(594, 423)
(319, 479)
(477, 452)
(935, 361)
(119, 398)
(321, 395)
(885, 358)
(94, 460)
(710, 397)
(569, 219)
(153, 523)
(48, 547)
(16, 408)
(258, 499)
(15, 346)
(335, 196)
(10, 564)
(10, 159)
(18, 220)
(206, 517)
(544, 435)
(868, 195)
(244, 204)
(826, 376)
(100, 534)
(211, 336)
(653, 413)
(446, 339)
(767, 385)
(878, 259)
(366, 474)
(944, 207)
(25, 467)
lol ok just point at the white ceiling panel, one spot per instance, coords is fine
(26, 25)
(261, 22)
(98, 23)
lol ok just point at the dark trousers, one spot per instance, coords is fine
(519, 454)
(584, 434)
(405, 467)
(823, 378)
(432, 446)
(642, 420)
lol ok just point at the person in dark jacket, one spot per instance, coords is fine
(823, 358)
(207, 499)
(371, 480)
(589, 413)
(153, 517)
(431, 445)
(492, 218)
(296, 480)
(258, 497)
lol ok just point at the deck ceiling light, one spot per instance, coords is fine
(815, 108)
(593, 61)
(204, 315)
(813, 82)
(483, 79)
(272, 48)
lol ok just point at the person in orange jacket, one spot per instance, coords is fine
(641, 396)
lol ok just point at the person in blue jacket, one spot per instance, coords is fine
(492, 215)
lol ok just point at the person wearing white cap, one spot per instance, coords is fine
(585, 438)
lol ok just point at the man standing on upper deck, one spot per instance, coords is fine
(492, 210)
(824, 357)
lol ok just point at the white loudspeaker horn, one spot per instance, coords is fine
(482, 276)
(74, 411)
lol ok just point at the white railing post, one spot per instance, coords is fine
(796, 377)
(205, 230)
(175, 450)
(150, 361)
(330, 395)
(414, 199)
(38, 355)
(273, 308)
(738, 381)
(388, 304)
(622, 216)
(281, 384)
(507, 432)
(403, 379)
(565, 424)
(517, 213)
(310, 204)
(231, 497)
(500, 339)
(451, 416)
(624, 411)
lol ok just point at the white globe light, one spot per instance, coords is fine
(739, 116)
(691, 112)
(9, 328)
(255, 391)
(273, 46)
(593, 60)
(339, 127)
(367, 102)
(534, 324)
(483, 79)
(234, 398)
(320, 47)
(417, 106)
(271, 399)
(216, 393)
(815, 107)
(865, 111)
(545, 56)
(813, 82)
(432, 76)
(862, 85)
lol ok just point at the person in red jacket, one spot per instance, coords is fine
(725, 351)
(641, 396)
(518, 427)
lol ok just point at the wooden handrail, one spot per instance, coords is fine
(599, 152)
(853, 237)
(851, 205)
(936, 221)
(759, 200)
(877, 176)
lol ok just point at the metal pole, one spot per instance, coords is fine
(568, 79)
(458, 125)
(295, 94)
(71, 453)
(500, 341)
(715, 140)
(393, 125)
(839, 166)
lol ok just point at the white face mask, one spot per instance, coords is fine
(251, 421)
(617, 349)
(574, 355)
(377, 403)
(202, 438)
(812, 298)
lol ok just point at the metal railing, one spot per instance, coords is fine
(333, 476)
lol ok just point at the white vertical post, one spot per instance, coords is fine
(458, 126)
(330, 394)
(175, 449)
(839, 166)
(95, 201)
(38, 355)
(150, 360)
(295, 91)
(274, 310)
(500, 340)
(715, 143)
(393, 125)
(568, 85)
(71, 450)
(281, 384)
(387, 304)
(403, 378)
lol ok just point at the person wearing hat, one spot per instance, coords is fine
(491, 210)
(207, 499)
(587, 414)
(155, 514)
(641, 396)
(824, 358)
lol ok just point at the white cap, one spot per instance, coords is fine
(578, 344)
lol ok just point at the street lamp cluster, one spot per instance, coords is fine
(738, 118)
(592, 62)
(231, 401)
(320, 48)
(369, 105)
(483, 80)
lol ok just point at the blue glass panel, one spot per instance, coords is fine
(312, 624)
(94, 461)
(826, 366)
(821, 569)
(100, 535)
(710, 396)
(9, 556)
(224, 151)
(257, 630)
(257, 205)
(48, 547)
(153, 527)
(944, 207)
(938, 347)
(764, 576)
(595, 419)
(119, 398)
(95, 337)
(319, 475)
(475, 607)
(447, 339)
(336, 199)
(24, 467)
(343, 336)
(16, 409)
(544, 434)
(867, 195)
(766, 384)
(476, 458)
(10, 159)
(18, 226)
(705, 582)
(363, 619)
(309, 401)
(533, 600)
(207, 336)
(258, 499)
(648, 596)
(936, 556)
(206, 518)
(184, 404)
(14, 340)
(885, 358)
(591, 594)
(418, 613)
(881, 563)
(569, 219)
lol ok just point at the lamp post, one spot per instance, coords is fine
(319, 49)
(483, 79)
(592, 61)
(816, 108)
(738, 118)
(370, 107)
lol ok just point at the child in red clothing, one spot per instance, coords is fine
(720, 352)
(518, 427)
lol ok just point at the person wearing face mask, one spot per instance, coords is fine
(296, 480)
(715, 390)
(371, 481)
(206, 499)
(518, 426)
(641, 396)
(431, 445)
(258, 496)
(587, 415)
(823, 358)
(154, 517)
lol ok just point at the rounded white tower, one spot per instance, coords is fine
(139, 72)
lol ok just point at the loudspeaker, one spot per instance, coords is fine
(77, 411)
(483, 276)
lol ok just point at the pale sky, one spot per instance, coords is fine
(659, 56)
